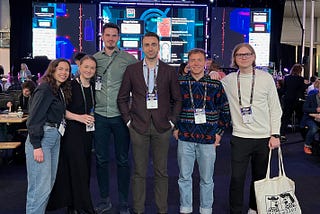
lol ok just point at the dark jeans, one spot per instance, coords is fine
(242, 151)
(104, 128)
(159, 143)
(312, 131)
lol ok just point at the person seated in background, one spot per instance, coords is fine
(18, 131)
(77, 57)
(15, 85)
(312, 89)
(183, 69)
(25, 73)
(6, 82)
(311, 117)
(27, 89)
(215, 67)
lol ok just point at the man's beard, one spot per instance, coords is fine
(111, 47)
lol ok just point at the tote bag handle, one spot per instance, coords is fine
(280, 164)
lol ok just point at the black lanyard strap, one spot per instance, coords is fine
(62, 98)
(252, 87)
(84, 96)
(112, 60)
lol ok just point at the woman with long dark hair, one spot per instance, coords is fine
(45, 126)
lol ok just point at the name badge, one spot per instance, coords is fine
(62, 126)
(90, 127)
(200, 116)
(247, 116)
(152, 101)
(98, 84)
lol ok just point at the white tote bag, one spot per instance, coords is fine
(276, 195)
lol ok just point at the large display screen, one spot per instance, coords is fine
(231, 26)
(180, 27)
(61, 29)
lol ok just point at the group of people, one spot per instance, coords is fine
(300, 104)
(145, 103)
(14, 101)
(8, 83)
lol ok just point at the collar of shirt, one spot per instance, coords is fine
(116, 51)
(145, 69)
(205, 78)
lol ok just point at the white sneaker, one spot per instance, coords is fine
(251, 211)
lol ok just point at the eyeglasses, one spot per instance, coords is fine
(243, 55)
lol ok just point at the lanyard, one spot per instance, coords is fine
(252, 86)
(84, 96)
(204, 97)
(62, 98)
(61, 95)
(154, 79)
(112, 60)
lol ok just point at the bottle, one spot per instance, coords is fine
(20, 112)
(280, 75)
(275, 75)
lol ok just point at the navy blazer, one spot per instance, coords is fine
(309, 106)
(135, 110)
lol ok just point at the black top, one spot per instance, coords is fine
(44, 107)
(293, 87)
(82, 101)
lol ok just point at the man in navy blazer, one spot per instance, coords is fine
(150, 114)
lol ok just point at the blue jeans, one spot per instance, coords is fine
(205, 155)
(312, 131)
(41, 176)
(104, 128)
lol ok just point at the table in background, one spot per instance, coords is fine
(10, 119)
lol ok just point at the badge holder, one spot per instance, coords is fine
(200, 116)
(247, 116)
(98, 84)
(62, 127)
(152, 101)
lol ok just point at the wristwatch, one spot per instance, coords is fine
(276, 135)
